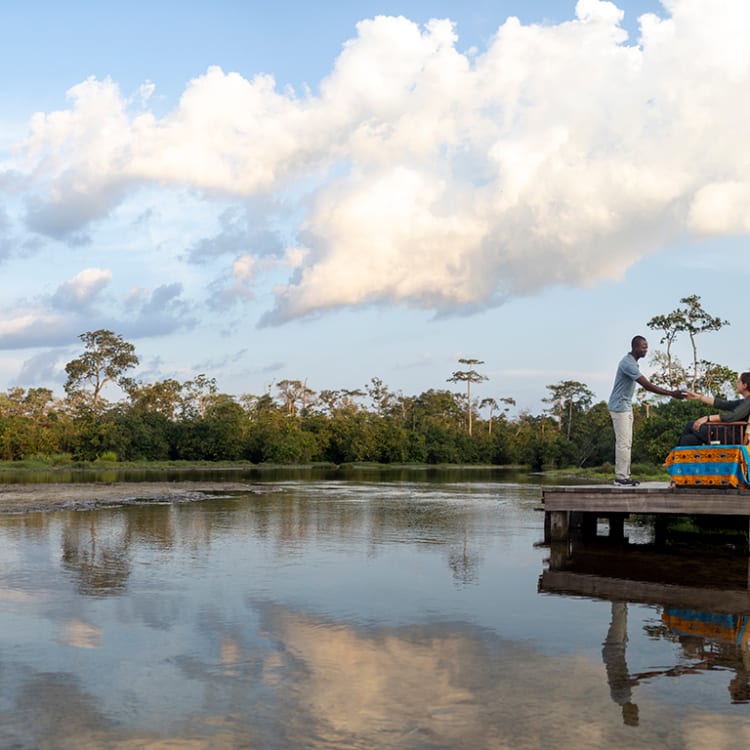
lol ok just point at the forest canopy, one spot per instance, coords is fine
(169, 420)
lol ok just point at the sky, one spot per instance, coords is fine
(341, 191)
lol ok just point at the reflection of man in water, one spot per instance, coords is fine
(613, 655)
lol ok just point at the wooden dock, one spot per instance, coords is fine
(579, 507)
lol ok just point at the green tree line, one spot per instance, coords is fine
(170, 420)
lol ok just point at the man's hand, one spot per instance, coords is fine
(678, 394)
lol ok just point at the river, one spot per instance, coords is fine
(330, 613)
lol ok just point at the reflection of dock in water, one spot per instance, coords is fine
(711, 625)
(714, 580)
(703, 594)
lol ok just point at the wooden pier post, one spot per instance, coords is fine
(558, 525)
(617, 527)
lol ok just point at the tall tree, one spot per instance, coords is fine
(716, 379)
(697, 321)
(380, 396)
(162, 397)
(197, 395)
(329, 398)
(670, 326)
(348, 399)
(468, 377)
(106, 359)
(493, 406)
(668, 371)
(691, 318)
(292, 393)
(566, 398)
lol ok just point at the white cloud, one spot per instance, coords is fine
(432, 178)
(13, 326)
(42, 369)
(235, 286)
(242, 268)
(162, 311)
(77, 306)
(82, 290)
(35, 326)
(721, 208)
(239, 230)
(5, 235)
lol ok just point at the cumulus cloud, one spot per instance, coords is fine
(420, 175)
(42, 369)
(5, 236)
(162, 311)
(34, 327)
(237, 283)
(241, 231)
(12, 244)
(77, 305)
(82, 290)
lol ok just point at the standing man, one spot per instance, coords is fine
(621, 406)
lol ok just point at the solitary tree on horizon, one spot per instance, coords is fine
(691, 318)
(468, 377)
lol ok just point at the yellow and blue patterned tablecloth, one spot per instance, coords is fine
(709, 466)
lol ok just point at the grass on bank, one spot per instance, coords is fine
(108, 460)
(67, 463)
(642, 471)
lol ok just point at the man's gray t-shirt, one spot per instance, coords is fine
(621, 398)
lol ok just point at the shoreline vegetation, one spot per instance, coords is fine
(291, 424)
(58, 465)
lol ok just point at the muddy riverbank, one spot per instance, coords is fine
(24, 498)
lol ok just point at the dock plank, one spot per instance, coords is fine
(654, 498)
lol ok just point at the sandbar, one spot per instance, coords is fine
(27, 498)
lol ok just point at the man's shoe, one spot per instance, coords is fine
(625, 482)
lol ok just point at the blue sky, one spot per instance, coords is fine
(339, 191)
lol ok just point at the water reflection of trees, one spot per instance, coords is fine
(97, 546)
(99, 562)
(52, 710)
(463, 562)
(288, 520)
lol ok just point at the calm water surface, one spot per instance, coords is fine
(352, 614)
